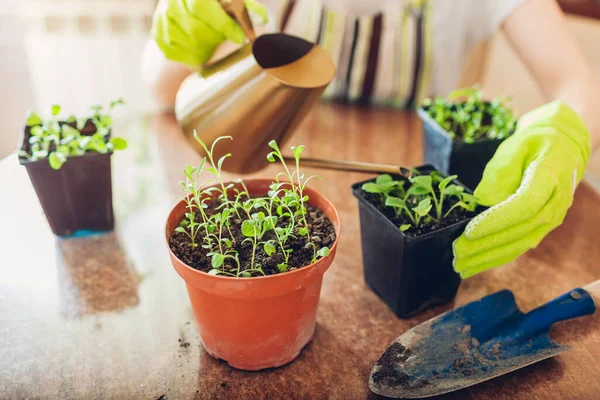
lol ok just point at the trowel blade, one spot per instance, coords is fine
(457, 349)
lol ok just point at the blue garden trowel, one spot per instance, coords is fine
(476, 342)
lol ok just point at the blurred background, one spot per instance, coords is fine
(75, 53)
(82, 52)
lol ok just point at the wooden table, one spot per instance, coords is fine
(107, 316)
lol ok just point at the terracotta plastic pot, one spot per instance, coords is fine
(260, 322)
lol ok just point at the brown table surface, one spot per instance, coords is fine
(105, 316)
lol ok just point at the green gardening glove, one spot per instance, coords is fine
(529, 184)
(189, 31)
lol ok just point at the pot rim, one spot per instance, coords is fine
(224, 278)
(91, 154)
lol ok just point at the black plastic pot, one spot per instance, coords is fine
(77, 197)
(455, 157)
(410, 274)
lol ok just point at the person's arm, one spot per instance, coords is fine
(162, 75)
(538, 32)
(530, 181)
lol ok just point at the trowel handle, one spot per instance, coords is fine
(237, 10)
(576, 303)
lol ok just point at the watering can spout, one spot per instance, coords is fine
(259, 93)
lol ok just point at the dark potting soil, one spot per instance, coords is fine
(456, 215)
(321, 230)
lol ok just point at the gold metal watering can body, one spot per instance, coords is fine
(259, 93)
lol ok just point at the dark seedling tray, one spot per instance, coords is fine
(78, 196)
(409, 273)
(454, 156)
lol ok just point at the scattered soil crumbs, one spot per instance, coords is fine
(321, 230)
(183, 344)
(456, 215)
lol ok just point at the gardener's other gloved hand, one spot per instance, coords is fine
(189, 31)
(529, 184)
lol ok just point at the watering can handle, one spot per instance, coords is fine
(237, 10)
(357, 166)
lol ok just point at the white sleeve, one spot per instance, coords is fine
(275, 9)
(489, 15)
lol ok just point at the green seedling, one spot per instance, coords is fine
(294, 197)
(473, 118)
(385, 186)
(58, 140)
(267, 223)
(425, 199)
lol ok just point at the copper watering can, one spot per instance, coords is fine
(258, 93)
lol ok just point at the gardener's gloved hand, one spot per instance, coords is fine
(529, 184)
(189, 31)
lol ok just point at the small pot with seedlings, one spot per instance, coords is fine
(68, 162)
(252, 254)
(462, 136)
(407, 230)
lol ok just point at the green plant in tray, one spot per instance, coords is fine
(57, 139)
(422, 198)
(473, 118)
(267, 223)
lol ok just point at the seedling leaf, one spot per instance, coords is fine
(217, 260)
(423, 208)
(453, 190)
(34, 119)
(323, 252)
(56, 160)
(384, 178)
(269, 248)
(442, 185)
(282, 267)
(118, 143)
(371, 187)
(395, 202)
(249, 228)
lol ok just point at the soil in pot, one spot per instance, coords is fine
(322, 235)
(455, 216)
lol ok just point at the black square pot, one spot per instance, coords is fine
(409, 273)
(78, 196)
(455, 157)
